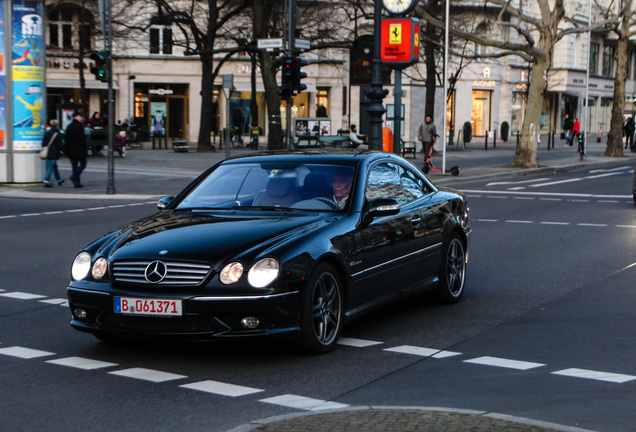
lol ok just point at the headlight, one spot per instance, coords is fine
(263, 272)
(81, 266)
(231, 273)
(99, 268)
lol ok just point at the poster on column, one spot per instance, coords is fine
(3, 83)
(27, 63)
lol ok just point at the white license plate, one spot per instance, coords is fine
(148, 306)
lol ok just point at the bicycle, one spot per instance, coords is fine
(581, 146)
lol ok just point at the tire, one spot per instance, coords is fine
(452, 271)
(322, 312)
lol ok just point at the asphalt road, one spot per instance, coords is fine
(544, 330)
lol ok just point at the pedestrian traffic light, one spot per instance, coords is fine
(100, 68)
(298, 74)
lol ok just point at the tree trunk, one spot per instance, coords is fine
(204, 145)
(429, 49)
(526, 154)
(263, 12)
(615, 138)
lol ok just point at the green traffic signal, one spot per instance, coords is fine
(100, 68)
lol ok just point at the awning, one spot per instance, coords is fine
(75, 84)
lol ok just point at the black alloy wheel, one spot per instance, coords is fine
(322, 311)
(452, 272)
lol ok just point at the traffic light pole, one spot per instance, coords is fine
(375, 92)
(289, 51)
(108, 41)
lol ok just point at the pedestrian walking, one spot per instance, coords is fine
(629, 134)
(567, 129)
(53, 140)
(576, 128)
(75, 147)
(427, 134)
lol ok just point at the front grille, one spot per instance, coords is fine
(177, 273)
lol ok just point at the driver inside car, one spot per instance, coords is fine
(342, 181)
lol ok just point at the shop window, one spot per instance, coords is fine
(69, 27)
(160, 40)
(322, 102)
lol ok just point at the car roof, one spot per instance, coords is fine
(311, 156)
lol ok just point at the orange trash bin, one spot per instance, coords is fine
(387, 139)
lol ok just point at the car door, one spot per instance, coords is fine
(391, 244)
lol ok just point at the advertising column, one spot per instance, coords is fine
(23, 92)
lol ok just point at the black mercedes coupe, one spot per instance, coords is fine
(292, 244)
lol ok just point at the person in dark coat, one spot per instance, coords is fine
(629, 133)
(75, 148)
(567, 129)
(53, 140)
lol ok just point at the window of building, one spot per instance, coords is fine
(322, 102)
(594, 51)
(160, 40)
(608, 61)
(69, 27)
(481, 30)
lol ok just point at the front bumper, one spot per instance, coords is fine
(204, 317)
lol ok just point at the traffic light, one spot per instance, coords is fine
(100, 69)
(298, 75)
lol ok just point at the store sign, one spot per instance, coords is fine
(161, 92)
(400, 42)
(484, 84)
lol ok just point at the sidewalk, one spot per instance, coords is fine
(151, 174)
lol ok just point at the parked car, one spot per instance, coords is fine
(291, 244)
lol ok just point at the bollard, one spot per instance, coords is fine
(517, 138)
(553, 138)
(549, 138)
(486, 141)
(494, 140)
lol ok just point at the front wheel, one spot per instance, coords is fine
(322, 311)
(452, 271)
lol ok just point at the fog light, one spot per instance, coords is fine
(250, 322)
(79, 313)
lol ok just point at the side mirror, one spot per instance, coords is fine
(163, 202)
(382, 207)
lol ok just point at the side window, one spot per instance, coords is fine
(413, 186)
(384, 182)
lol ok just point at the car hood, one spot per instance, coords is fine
(208, 237)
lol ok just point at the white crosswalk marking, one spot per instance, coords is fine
(595, 375)
(147, 374)
(81, 363)
(303, 403)
(504, 363)
(358, 343)
(220, 388)
(24, 353)
(423, 352)
(21, 295)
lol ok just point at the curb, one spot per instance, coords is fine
(427, 416)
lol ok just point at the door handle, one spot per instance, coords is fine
(416, 221)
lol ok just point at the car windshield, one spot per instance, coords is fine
(272, 186)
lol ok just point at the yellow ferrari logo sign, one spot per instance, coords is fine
(395, 34)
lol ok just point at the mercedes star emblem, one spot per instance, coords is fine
(156, 271)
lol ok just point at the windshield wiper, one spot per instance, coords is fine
(266, 208)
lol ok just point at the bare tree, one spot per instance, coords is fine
(537, 27)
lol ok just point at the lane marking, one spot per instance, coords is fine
(357, 343)
(422, 352)
(519, 221)
(554, 223)
(147, 374)
(55, 301)
(22, 295)
(591, 224)
(504, 363)
(557, 182)
(517, 182)
(24, 353)
(303, 403)
(595, 375)
(81, 363)
(57, 212)
(548, 194)
(221, 388)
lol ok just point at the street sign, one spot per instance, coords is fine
(270, 43)
(302, 44)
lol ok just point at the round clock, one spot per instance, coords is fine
(399, 7)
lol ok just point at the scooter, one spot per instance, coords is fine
(428, 164)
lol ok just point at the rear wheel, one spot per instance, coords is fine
(452, 272)
(322, 311)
